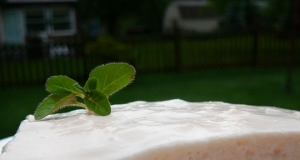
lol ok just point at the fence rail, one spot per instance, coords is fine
(29, 64)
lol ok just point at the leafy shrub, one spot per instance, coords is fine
(109, 49)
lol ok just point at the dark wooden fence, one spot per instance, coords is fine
(31, 64)
(213, 50)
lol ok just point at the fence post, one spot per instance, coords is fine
(177, 46)
(291, 53)
(255, 48)
(85, 56)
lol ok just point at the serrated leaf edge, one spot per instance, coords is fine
(131, 80)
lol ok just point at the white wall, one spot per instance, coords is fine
(171, 15)
(1, 30)
(196, 25)
(203, 25)
(13, 32)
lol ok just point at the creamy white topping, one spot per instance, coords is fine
(3, 142)
(173, 129)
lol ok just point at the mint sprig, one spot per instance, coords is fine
(103, 81)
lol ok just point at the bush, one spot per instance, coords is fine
(110, 50)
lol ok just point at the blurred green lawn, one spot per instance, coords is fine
(245, 85)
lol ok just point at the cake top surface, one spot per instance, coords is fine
(138, 126)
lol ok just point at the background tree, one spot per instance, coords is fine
(276, 13)
(109, 12)
(151, 12)
(112, 13)
(237, 14)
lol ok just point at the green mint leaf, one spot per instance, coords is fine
(113, 76)
(78, 87)
(54, 102)
(103, 82)
(97, 102)
(62, 84)
(90, 84)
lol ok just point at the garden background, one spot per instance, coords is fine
(251, 59)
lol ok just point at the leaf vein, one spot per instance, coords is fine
(115, 81)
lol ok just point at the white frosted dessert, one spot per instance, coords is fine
(173, 129)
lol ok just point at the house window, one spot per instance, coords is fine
(50, 21)
(61, 19)
(35, 21)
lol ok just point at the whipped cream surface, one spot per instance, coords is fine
(173, 129)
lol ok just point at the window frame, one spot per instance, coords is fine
(49, 21)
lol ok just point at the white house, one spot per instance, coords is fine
(190, 16)
(42, 18)
(1, 30)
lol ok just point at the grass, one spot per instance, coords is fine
(262, 86)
